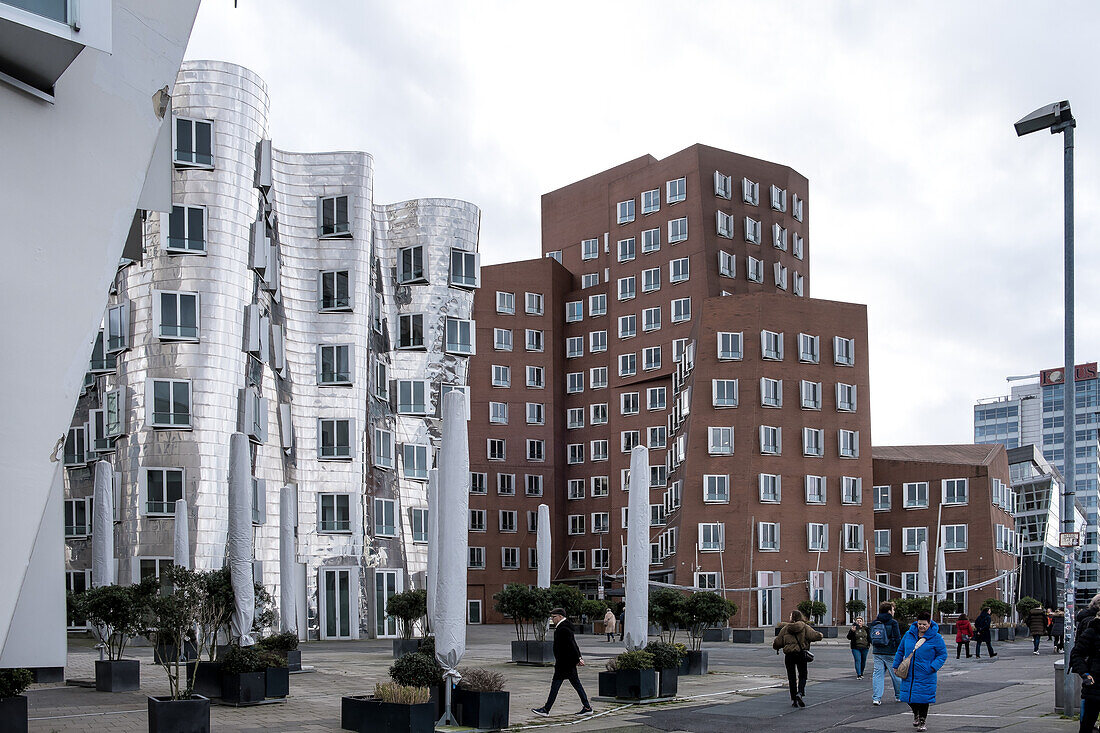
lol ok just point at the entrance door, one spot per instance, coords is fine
(768, 611)
(386, 584)
(336, 589)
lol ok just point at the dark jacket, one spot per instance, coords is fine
(1085, 657)
(981, 626)
(1037, 622)
(893, 633)
(566, 651)
(920, 684)
(795, 636)
(963, 628)
(1085, 614)
(1058, 625)
(859, 638)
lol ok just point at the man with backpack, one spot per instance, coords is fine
(885, 638)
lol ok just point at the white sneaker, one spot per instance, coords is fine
(876, 702)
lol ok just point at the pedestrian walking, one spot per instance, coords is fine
(1037, 626)
(859, 640)
(964, 632)
(794, 639)
(1084, 660)
(1088, 611)
(925, 651)
(1058, 630)
(1050, 623)
(622, 622)
(885, 637)
(982, 627)
(567, 657)
(609, 625)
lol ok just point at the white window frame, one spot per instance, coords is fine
(813, 442)
(770, 488)
(626, 211)
(677, 230)
(720, 397)
(720, 440)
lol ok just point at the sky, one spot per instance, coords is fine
(923, 203)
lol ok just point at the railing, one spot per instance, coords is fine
(336, 525)
(187, 244)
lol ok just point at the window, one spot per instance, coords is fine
(768, 536)
(724, 392)
(626, 249)
(845, 397)
(651, 319)
(628, 439)
(333, 220)
(954, 537)
(955, 491)
(589, 280)
(599, 450)
(771, 392)
(574, 418)
(677, 230)
(651, 201)
(597, 305)
(171, 403)
(506, 303)
(796, 207)
(780, 276)
(844, 351)
(771, 345)
(502, 376)
(576, 524)
(415, 461)
(848, 441)
(412, 397)
(381, 382)
(679, 270)
(477, 520)
(419, 516)
(657, 436)
(681, 310)
(576, 559)
(535, 378)
(507, 520)
(502, 339)
(628, 326)
(78, 517)
(778, 198)
(808, 348)
(724, 224)
(410, 265)
(495, 449)
(651, 240)
(575, 488)
(335, 290)
(114, 413)
(628, 365)
(163, 487)
(882, 498)
(535, 413)
(335, 513)
(599, 414)
(534, 340)
(478, 483)
(574, 311)
(597, 341)
(779, 237)
(383, 448)
(601, 524)
(882, 542)
(465, 269)
(627, 288)
(476, 559)
(601, 559)
(626, 211)
(187, 230)
(711, 537)
(651, 358)
(656, 398)
(534, 304)
(716, 488)
(815, 490)
(916, 495)
(598, 377)
(771, 485)
(796, 285)
(811, 395)
(676, 190)
(851, 490)
(750, 192)
(914, 536)
(771, 440)
(853, 538)
(74, 447)
(628, 403)
(797, 246)
(599, 486)
(194, 143)
(753, 230)
(720, 441)
(506, 484)
(813, 442)
(574, 382)
(334, 364)
(177, 315)
(509, 558)
(651, 279)
(335, 438)
(385, 518)
(590, 249)
(411, 331)
(817, 536)
(536, 450)
(755, 270)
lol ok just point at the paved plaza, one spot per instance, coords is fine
(746, 690)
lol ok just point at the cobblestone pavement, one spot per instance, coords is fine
(746, 690)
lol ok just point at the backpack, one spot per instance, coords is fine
(879, 634)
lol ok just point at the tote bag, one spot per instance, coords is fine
(903, 668)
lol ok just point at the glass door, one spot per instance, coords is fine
(336, 584)
(768, 612)
(386, 584)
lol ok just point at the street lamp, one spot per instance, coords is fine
(1057, 118)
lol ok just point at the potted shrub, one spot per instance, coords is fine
(594, 611)
(286, 646)
(666, 660)
(635, 678)
(702, 610)
(173, 614)
(528, 608)
(408, 608)
(421, 670)
(608, 686)
(855, 607)
(392, 707)
(481, 700)
(276, 674)
(946, 607)
(244, 675)
(116, 613)
(571, 600)
(13, 704)
(666, 611)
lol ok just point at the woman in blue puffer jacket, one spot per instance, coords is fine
(919, 687)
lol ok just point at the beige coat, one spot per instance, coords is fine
(609, 622)
(795, 636)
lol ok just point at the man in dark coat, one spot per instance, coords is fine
(567, 657)
(1085, 661)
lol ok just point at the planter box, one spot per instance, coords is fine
(276, 682)
(747, 636)
(13, 714)
(208, 679)
(239, 689)
(401, 647)
(170, 652)
(540, 652)
(636, 684)
(293, 659)
(698, 663)
(179, 716)
(1004, 634)
(366, 714)
(947, 629)
(607, 686)
(667, 682)
(121, 675)
(829, 632)
(482, 710)
(685, 665)
(717, 634)
(519, 652)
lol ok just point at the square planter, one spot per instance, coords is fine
(698, 662)
(401, 647)
(717, 634)
(482, 710)
(519, 652)
(244, 688)
(540, 652)
(293, 659)
(748, 636)
(170, 652)
(685, 665)
(829, 632)
(208, 679)
(636, 684)
(667, 682)
(13, 714)
(276, 682)
(608, 687)
(121, 675)
(366, 714)
(179, 716)
(587, 629)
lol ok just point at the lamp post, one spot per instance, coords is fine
(1057, 118)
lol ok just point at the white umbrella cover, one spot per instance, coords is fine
(922, 568)
(239, 541)
(433, 544)
(941, 573)
(103, 525)
(636, 628)
(181, 547)
(542, 547)
(288, 558)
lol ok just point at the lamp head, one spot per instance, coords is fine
(1050, 116)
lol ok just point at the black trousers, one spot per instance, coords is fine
(920, 709)
(984, 640)
(561, 676)
(796, 673)
(959, 647)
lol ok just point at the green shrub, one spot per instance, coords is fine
(427, 646)
(416, 669)
(243, 659)
(635, 660)
(855, 607)
(813, 610)
(527, 607)
(906, 609)
(272, 659)
(401, 694)
(703, 609)
(14, 682)
(568, 598)
(947, 606)
(666, 609)
(284, 642)
(594, 610)
(665, 656)
(1025, 604)
(997, 607)
(476, 679)
(408, 607)
(115, 612)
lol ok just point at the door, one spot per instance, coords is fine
(386, 584)
(336, 602)
(768, 610)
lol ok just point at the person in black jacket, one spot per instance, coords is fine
(567, 657)
(883, 654)
(982, 625)
(1085, 661)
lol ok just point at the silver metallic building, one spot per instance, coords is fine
(279, 301)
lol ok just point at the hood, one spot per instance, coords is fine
(794, 627)
(884, 618)
(933, 630)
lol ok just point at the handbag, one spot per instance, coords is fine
(807, 656)
(966, 638)
(903, 668)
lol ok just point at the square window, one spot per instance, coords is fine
(844, 350)
(460, 337)
(771, 440)
(574, 347)
(651, 279)
(651, 201)
(478, 483)
(628, 403)
(813, 442)
(681, 310)
(626, 249)
(598, 377)
(502, 339)
(755, 270)
(335, 439)
(882, 498)
(720, 441)
(677, 230)
(574, 382)
(845, 397)
(589, 280)
(753, 230)
(651, 358)
(476, 559)
(723, 185)
(955, 491)
(536, 450)
(808, 348)
(916, 495)
(333, 219)
(187, 230)
(495, 449)
(335, 514)
(750, 192)
(534, 339)
(535, 413)
(163, 487)
(724, 224)
(815, 489)
(574, 418)
(599, 486)
(334, 364)
(597, 341)
(771, 392)
(651, 240)
(535, 378)
(502, 376)
(817, 536)
(335, 290)
(534, 304)
(410, 334)
(676, 190)
(679, 270)
(882, 542)
(170, 404)
(627, 289)
(383, 448)
(628, 326)
(506, 303)
(598, 414)
(465, 269)
(711, 537)
(778, 198)
(851, 490)
(176, 315)
(655, 398)
(590, 249)
(626, 211)
(498, 413)
(194, 146)
(410, 265)
(848, 441)
(730, 345)
(771, 345)
(770, 488)
(779, 237)
(768, 533)
(412, 397)
(506, 484)
(724, 392)
(597, 305)
(574, 311)
(811, 395)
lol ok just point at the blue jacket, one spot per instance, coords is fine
(920, 685)
(893, 634)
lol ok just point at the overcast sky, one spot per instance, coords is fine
(923, 203)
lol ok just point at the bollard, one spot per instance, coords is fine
(1059, 691)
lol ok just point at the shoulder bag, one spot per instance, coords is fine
(903, 668)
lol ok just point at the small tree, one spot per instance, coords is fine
(947, 606)
(906, 609)
(511, 602)
(408, 607)
(568, 598)
(594, 610)
(1024, 606)
(854, 607)
(815, 610)
(666, 609)
(705, 609)
(538, 608)
(172, 617)
(997, 607)
(115, 612)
